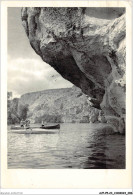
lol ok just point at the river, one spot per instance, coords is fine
(75, 146)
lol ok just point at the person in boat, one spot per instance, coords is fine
(22, 123)
(27, 125)
(42, 124)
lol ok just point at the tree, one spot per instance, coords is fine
(9, 95)
(23, 110)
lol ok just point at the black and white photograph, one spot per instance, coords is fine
(66, 88)
(66, 97)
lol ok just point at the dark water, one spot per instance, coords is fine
(76, 146)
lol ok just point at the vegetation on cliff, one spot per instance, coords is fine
(53, 106)
(15, 111)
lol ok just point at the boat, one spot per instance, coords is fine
(16, 127)
(21, 128)
(34, 131)
(51, 127)
(42, 127)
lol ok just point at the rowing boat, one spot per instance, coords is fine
(42, 127)
(22, 128)
(16, 127)
(51, 127)
(33, 131)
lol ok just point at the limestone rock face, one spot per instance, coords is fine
(58, 105)
(86, 46)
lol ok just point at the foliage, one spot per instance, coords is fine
(49, 119)
(22, 111)
(15, 112)
(9, 95)
(61, 106)
(12, 116)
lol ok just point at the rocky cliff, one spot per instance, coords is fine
(59, 105)
(87, 47)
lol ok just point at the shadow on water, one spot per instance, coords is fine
(107, 151)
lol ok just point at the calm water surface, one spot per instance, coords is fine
(76, 146)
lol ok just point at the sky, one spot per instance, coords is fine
(26, 70)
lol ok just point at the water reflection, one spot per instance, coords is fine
(82, 146)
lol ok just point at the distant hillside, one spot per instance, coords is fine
(57, 105)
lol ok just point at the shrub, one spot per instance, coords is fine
(49, 119)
